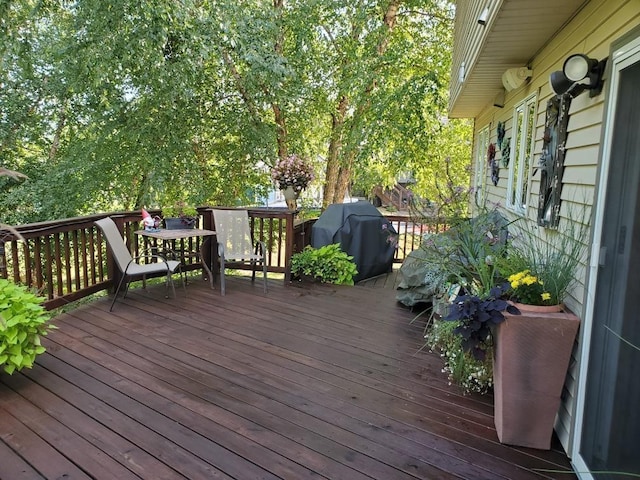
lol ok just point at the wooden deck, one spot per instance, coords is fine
(300, 383)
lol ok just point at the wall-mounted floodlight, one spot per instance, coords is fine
(461, 72)
(579, 73)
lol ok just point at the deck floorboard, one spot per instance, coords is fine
(305, 382)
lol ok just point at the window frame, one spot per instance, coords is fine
(519, 180)
(481, 173)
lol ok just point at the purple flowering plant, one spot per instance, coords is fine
(292, 171)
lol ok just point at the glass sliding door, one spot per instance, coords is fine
(609, 403)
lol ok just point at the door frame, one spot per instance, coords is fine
(624, 52)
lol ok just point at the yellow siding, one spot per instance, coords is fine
(590, 32)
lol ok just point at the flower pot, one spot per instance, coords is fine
(179, 223)
(531, 358)
(291, 197)
(525, 307)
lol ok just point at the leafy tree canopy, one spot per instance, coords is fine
(130, 103)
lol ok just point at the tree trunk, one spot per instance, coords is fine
(278, 113)
(56, 138)
(344, 178)
(339, 164)
(333, 156)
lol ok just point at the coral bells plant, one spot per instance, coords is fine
(529, 289)
(292, 171)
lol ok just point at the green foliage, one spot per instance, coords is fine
(468, 253)
(179, 210)
(471, 374)
(551, 256)
(22, 321)
(328, 264)
(109, 106)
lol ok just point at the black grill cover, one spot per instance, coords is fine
(362, 231)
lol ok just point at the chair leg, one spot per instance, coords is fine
(253, 271)
(115, 296)
(168, 282)
(264, 273)
(222, 286)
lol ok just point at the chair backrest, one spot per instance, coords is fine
(116, 243)
(234, 232)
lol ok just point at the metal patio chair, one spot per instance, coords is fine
(236, 245)
(129, 266)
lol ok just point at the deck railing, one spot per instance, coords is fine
(65, 260)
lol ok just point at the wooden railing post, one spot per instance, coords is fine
(289, 245)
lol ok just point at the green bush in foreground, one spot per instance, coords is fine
(22, 321)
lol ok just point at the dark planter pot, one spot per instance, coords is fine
(179, 223)
(531, 358)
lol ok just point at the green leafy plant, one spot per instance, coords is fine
(462, 368)
(180, 210)
(467, 253)
(23, 320)
(186, 213)
(327, 264)
(476, 315)
(551, 256)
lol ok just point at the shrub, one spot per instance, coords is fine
(22, 321)
(328, 264)
(471, 374)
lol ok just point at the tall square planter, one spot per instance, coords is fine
(531, 358)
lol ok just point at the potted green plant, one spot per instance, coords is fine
(466, 256)
(23, 320)
(179, 216)
(532, 350)
(327, 264)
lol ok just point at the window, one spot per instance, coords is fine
(524, 116)
(480, 181)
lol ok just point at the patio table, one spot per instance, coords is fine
(169, 238)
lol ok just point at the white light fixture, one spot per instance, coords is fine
(576, 67)
(461, 72)
(484, 16)
(515, 77)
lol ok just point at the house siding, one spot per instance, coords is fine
(590, 32)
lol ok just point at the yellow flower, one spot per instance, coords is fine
(515, 284)
(546, 296)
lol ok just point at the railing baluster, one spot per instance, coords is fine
(82, 263)
(59, 286)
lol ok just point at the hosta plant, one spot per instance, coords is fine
(23, 320)
(327, 264)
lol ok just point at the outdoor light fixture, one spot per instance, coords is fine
(579, 73)
(515, 77)
(461, 73)
(484, 16)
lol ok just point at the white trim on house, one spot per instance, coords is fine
(621, 58)
(481, 170)
(521, 155)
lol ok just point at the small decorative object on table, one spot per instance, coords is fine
(151, 224)
(292, 174)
